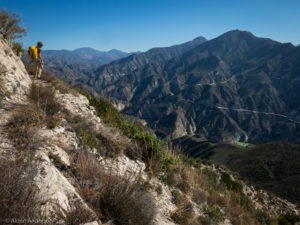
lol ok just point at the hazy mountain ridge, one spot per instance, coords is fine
(155, 55)
(84, 55)
(69, 65)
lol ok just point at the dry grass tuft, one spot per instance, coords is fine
(87, 166)
(110, 195)
(17, 193)
(76, 215)
(3, 71)
(19, 127)
(122, 200)
(184, 214)
(44, 98)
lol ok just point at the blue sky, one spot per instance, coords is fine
(138, 25)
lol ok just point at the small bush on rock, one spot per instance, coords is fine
(44, 97)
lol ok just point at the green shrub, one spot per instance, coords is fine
(230, 183)
(288, 219)
(211, 177)
(150, 147)
(57, 162)
(93, 139)
(105, 110)
(17, 48)
(88, 138)
(215, 213)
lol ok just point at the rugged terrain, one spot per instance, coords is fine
(236, 87)
(68, 158)
(273, 166)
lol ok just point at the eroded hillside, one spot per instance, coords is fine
(236, 87)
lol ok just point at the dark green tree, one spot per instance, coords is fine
(17, 48)
(9, 26)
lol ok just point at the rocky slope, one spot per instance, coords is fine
(63, 164)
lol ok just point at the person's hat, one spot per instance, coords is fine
(40, 44)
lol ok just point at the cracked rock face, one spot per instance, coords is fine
(16, 79)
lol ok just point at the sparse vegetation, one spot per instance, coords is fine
(57, 162)
(93, 139)
(110, 194)
(59, 85)
(88, 138)
(188, 175)
(76, 215)
(184, 214)
(288, 219)
(17, 192)
(149, 146)
(230, 183)
(9, 26)
(3, 71)
(23, 120)
(44, 98)
(17, 48)
(215, 213)
(118, 193)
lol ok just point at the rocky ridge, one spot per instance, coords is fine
(56, 152)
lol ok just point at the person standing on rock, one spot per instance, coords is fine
(35, 54)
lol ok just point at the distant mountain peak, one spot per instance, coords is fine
(200, 38)
(239, 32)
(236, 35)
(85, 49)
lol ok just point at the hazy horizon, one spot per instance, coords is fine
(139, 25)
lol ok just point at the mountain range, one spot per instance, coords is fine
(236, 87)
(78, 63)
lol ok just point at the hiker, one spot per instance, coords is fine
(36, 59)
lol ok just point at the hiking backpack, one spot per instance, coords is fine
(33, 52)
